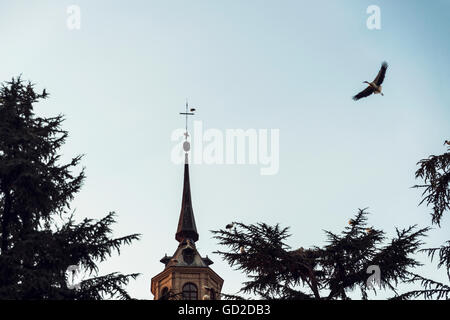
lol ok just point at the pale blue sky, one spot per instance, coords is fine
(290, 65)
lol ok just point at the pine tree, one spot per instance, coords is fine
(39, 237)
(327, 273)
(435, 171)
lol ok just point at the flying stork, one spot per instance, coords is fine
(374, 86)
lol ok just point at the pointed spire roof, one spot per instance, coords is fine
(186, 223)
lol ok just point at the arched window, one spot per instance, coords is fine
(190, 291)
(164, 295)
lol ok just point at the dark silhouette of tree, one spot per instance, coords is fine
(39, 237)
(329, 272)
(435, 171)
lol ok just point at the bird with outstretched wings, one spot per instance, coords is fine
(375, 85)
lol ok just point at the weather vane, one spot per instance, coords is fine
(189, 112)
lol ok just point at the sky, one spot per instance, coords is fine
(123, 77)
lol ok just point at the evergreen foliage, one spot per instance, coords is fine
(39, 238)
(435, 172)
(329, 272)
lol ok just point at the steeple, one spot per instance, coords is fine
(186, 275)
(186, 223)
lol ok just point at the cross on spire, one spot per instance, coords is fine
(189, 112)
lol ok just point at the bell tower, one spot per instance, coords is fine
(186, 275)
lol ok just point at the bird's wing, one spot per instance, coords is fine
(365, 93)
(380, 76)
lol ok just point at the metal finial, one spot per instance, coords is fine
(189, 112)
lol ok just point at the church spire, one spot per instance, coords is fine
(186, 223)
(187, 275)
(187, 229)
